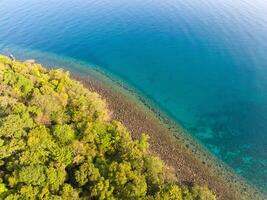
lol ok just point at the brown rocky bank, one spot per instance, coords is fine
(166, 141)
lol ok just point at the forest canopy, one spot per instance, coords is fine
(58, 141)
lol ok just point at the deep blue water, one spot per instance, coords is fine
(203, 61)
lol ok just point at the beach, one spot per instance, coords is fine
(189, 160)
(191, 163)
(203, 63)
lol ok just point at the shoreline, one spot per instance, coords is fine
(168, 140)
(189, 161)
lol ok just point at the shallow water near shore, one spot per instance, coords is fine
(191, 153)
(209, 169)
(202, 62)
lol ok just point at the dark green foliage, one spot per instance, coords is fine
(57, 142)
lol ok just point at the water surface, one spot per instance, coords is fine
(203, 62)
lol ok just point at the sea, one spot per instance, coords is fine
(203, 62)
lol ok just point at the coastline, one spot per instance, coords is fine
(190, 162)
(189, 159)
(190, 75)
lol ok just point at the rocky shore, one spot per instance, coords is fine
(182, 155)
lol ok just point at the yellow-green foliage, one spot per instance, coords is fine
(57, 142)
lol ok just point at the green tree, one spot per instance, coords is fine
(58, 142)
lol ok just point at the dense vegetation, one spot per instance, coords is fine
(57, 142)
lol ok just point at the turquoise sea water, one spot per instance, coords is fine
(202, 62)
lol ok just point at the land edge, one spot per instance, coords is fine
(191, 162)
(112, 90)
